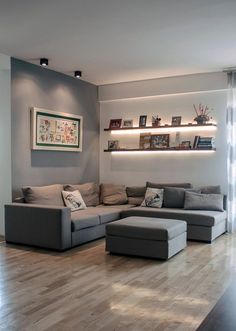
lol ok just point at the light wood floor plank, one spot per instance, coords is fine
(87, 289)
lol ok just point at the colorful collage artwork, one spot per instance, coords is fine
(57, 131)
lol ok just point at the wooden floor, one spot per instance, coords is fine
(87, 289)
(222, 316)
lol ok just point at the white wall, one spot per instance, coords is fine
(5, 137)
(132, 169)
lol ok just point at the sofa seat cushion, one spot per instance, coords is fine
(147, 228)
(110, 213)
(106, 215)
(94, 216)
(192, 217)
(120, 207)
(82, 219)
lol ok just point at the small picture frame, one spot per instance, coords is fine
(127, 123)
(142, 121)
(145, 140)
(186, 144)
(176, 120)
(115, 123)
(160, 141)
(113, 144)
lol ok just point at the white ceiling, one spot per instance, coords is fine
(121, 40)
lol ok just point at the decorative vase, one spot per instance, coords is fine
(201, 119)
(156, 124)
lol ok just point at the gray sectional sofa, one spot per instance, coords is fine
(41, 219)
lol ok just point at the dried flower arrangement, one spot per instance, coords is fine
(202, 114)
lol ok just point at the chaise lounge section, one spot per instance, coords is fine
(202, 225)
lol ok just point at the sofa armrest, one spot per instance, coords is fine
(38, 225)
(19, 200)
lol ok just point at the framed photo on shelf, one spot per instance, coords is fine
(145, 141)
(113, 144)
(142, 121)
(160, 141)
(185, 144)
(115, 123)
(127, 123)
(176, 120)
(56, 131)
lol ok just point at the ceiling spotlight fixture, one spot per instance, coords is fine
(44, 62)
(78, 74)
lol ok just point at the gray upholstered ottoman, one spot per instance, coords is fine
(145, 236)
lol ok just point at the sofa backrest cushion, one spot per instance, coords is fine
(44, 195)
(89, 192)
(136, 194)
(162, 185)
(135, 200)
(135, 191)
(211, 189)
(174, 196)
(197, 201)
(112, 194)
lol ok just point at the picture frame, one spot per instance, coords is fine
(176, 120)
(127, 123)
(142, 121)
(145, 140)
(160, 141)
(113, 144)
(56, 131)
(186, 144)
(115, 124)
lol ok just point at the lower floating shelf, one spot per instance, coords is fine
(174, 150)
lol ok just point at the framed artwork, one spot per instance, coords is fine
(113, 144)
(115, 124)
(186, 144)
(160, 141)
(56, 131)
(142, 120)
(127, 123)
(145, 141)
(176, 120)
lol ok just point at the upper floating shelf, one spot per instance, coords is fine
(183, 127)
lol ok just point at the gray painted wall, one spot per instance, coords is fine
(130, 100)
(33, 86)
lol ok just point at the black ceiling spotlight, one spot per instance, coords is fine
(44, 62)
(78, 74)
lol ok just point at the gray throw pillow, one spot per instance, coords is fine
(112, 194)
(44, 195)
(199, 201)
(89, 192)
(174, 196)
(162, 185)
